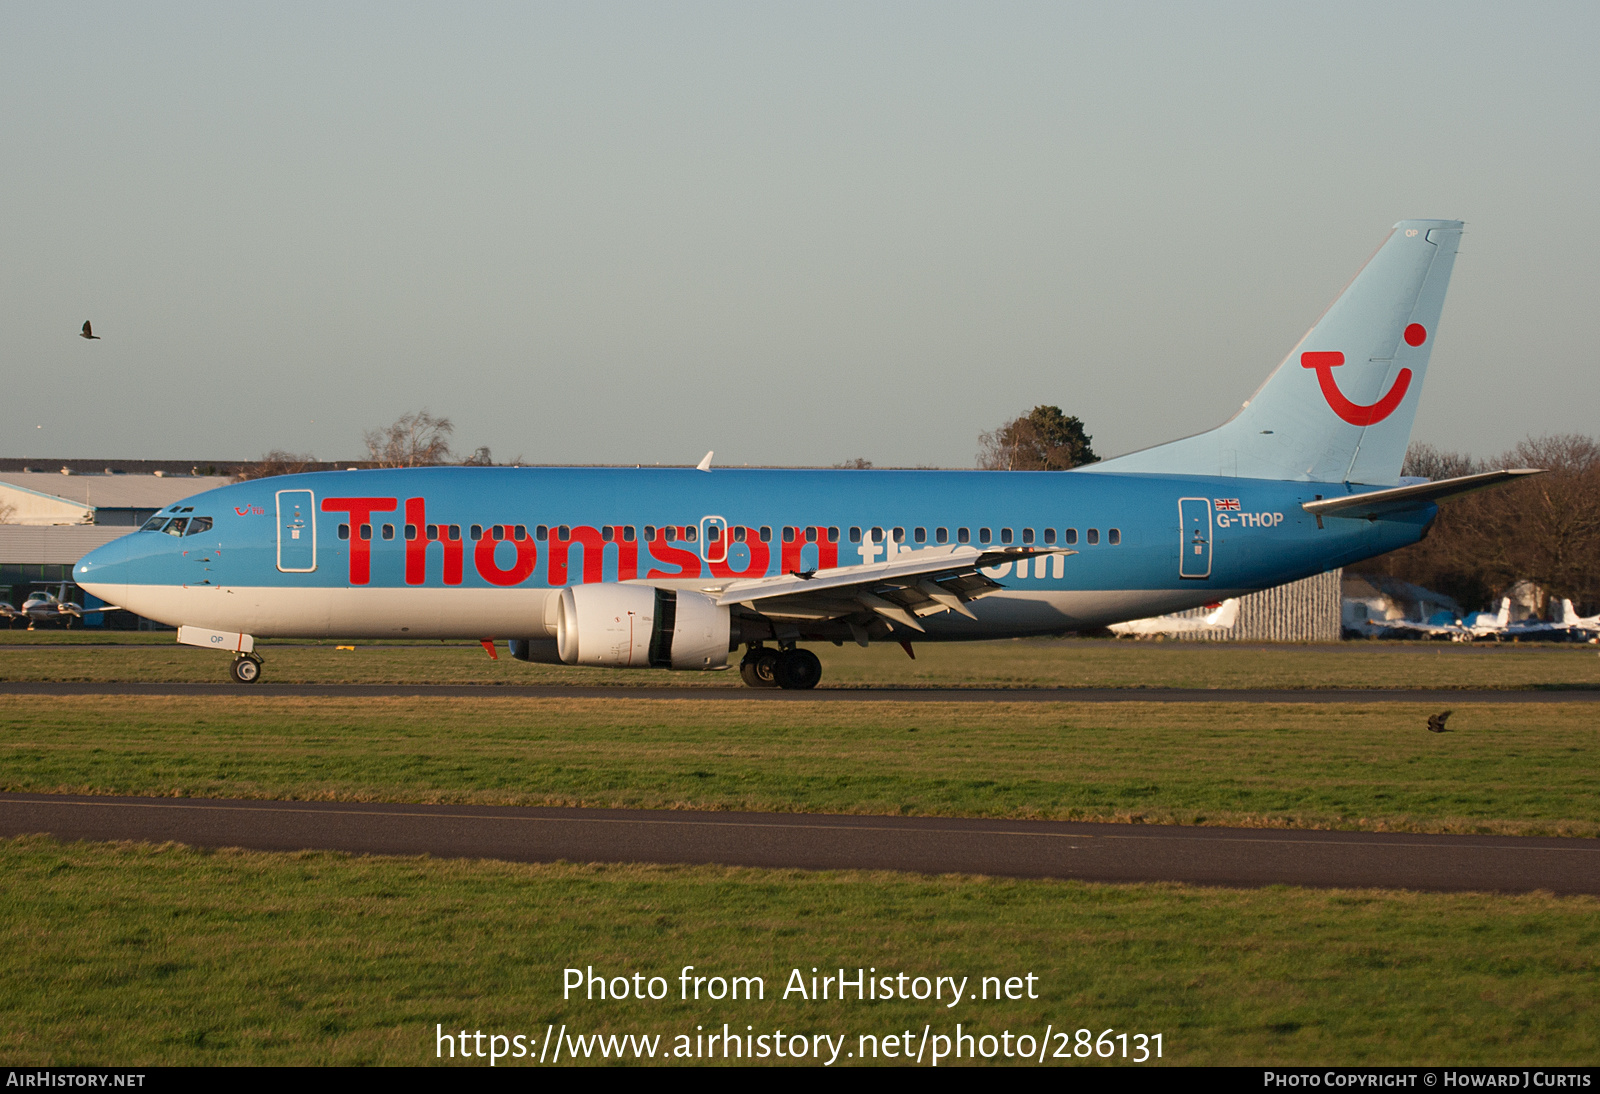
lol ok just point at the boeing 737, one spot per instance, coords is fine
(678, 568)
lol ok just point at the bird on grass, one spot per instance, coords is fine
(1436, 722)
(88, 331)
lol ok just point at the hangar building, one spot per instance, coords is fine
(49, 520)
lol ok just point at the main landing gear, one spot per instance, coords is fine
(794, 669)
(246, 668)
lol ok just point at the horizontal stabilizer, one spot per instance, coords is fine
(1377, 503)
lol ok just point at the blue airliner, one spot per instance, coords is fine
(678, 568)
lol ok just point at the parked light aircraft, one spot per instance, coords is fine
(1223, 617)
(43, 606)
(676, 568)
(1476, 625)
(1569, 625)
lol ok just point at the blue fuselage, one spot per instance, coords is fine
(1144, 543)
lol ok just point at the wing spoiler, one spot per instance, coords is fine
(1375, 503)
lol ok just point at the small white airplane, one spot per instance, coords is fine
(1570, 624)
(43, 606)
(1484, 625)
(1442, 625)
(1222, 617)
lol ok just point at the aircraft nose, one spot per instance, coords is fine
(104, 570)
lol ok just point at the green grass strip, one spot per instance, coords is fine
(1516, 769)
(137, 955)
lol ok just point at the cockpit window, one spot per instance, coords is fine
(153, 523)
(176, 527)
(198, 525)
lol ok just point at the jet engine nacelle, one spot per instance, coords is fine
(636, 626)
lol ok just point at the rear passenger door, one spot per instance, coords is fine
(1194, 547)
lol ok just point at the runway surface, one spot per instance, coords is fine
(1237, 857)
(1439, 697)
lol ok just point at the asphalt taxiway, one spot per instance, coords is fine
(1236, 857)
(1434, 696)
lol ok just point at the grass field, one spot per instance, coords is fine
(1528, 769)
(133, 955)
(69, 655)
(143, 955)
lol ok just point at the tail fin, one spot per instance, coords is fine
(1569, 614)
(1504, 618)
(1339, 408)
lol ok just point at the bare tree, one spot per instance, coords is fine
(1545, 529)
(857, 464)
(1427, 462)
(415, 440)
(276, 462)
(479, 458)
(1044, 439)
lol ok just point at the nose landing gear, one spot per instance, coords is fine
(246, 668)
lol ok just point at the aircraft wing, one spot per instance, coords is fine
(912, 584)
(1376, 503)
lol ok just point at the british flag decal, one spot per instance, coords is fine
(1226, 503)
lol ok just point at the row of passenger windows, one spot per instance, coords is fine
(625, 533)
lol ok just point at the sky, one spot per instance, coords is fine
(796, 234)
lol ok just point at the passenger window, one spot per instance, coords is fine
(671, 534)
(1027, 535)
(811, 534)
(738, 534)
(855, 535)
(766, 534)
(963, 535)
(411, 531)
(519, 532)
(606, 533)
(1114, 535)
(919, 534)
(1093, 535)
(877, 535)
(388, 531)
(497, 532)
(941, 535)
(833, 535)
(455, 531)
(433, 532)
(366, 531)
(627, 533)
(1005, 535)
(691, 533)
(476, 531)
(198, 525)
(1049, 537)
(984, 535)
(788, 534)
(344, 531)
(1071, 536)
(649, 532)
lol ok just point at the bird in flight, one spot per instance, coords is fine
(88, 331)
(1436, 722)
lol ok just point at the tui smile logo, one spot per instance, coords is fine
(1355, 413)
